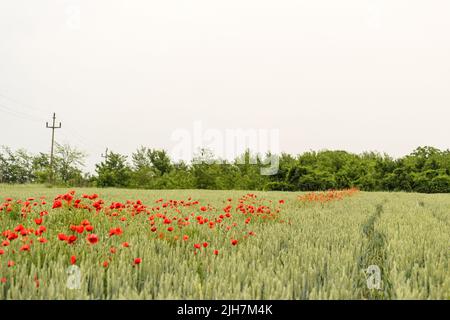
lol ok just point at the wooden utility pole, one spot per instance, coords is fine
(53, 127)
(105, 155)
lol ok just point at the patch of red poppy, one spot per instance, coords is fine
(25, 247)
(92, 238)
(62, 237)
(57, 204)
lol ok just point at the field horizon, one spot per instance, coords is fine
(58, 189)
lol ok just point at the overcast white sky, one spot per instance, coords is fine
(354, 75)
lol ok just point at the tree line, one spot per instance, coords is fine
(425, 170)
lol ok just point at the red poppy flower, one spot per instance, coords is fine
(43, 213)
(92, 238)
(113, 250)
(89, 228)
(137, 261)
(62, 237)
(205, 244)
(42, 240)
(38, 221)
(11, 264)
(73, 260)
(234, 242)
(170, 229)
(57, 204)
(216, 252)
(203, 209)
(25, 247)
(5, 243)
(3, 280)
(115, 231)
(79, 229)
(71, 239)
(197, 246)
(125, 244)
(105, 264)
(2, 252)
(185, 238)
(153, 229)
(12, 236)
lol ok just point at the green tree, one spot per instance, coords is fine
(16, 167)
(68, 164)
(149, 165)
(114, 171)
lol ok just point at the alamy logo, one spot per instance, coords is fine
(73, 14)
(74, 278)
(229, 144)
(373, 277)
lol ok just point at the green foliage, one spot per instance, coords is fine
(425, 170)
(114, 171)
(68, 162)
(16, 167)
(21, 167)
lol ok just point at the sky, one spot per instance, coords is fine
(349, 75)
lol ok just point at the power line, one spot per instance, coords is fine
(24, 105)
(81, 138)
(20, 107)
(18, 114)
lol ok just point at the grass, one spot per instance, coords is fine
(306, 251)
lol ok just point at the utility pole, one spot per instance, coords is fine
(105, 155)
(53, 127)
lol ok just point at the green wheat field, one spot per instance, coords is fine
(182, 245)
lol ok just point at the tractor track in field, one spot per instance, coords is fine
(373, 253)
(439, 218)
